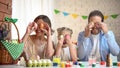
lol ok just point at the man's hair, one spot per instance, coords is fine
(96, 13)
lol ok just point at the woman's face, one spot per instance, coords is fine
(96, 20)
(40, 23)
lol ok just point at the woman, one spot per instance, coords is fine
(65, 49)
(40, 44)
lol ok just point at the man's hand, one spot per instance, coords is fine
(104, 27)
(88, 29)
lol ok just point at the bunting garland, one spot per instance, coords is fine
(84, 17)
(105, 17)
(65, 13)
(114, 16)
(56, 11)
(74, 15)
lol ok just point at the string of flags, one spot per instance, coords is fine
(74, 15)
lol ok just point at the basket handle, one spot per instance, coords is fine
(13, 21)
(17, 33)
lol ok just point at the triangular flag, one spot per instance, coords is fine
(65, 13)
(105, 17)
(56, 11)
(84, 17)
(74, 15)
(114, 16)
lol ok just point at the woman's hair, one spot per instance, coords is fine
(45, 19)
(59, 30)
(96, 13)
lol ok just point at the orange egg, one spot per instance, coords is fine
(41, 25)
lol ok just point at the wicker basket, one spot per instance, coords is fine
(5, 54)
(5, 57)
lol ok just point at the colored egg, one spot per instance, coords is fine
(61, 36)
(118, 64)
(35, 63)
(41, 25)
(30, 63)
(67, 36)
(102, 63)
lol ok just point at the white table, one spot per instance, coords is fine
(86, 65)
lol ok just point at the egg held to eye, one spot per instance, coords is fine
(61, 36)
(67, 36)
(35, 25)
(41, 26)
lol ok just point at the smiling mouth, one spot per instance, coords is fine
(39, 31)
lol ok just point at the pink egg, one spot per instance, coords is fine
(67, 36)
(35, 25)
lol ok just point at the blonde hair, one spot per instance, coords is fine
(59, 30)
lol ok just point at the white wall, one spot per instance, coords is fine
(26, 11)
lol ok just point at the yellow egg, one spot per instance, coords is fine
(61, 36)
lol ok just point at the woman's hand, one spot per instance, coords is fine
(31, 27)
(46, 30)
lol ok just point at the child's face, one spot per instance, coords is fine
(66, 35)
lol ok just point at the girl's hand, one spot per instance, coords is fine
(61, 40)
(68, 39)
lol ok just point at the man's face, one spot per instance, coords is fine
(96, 20)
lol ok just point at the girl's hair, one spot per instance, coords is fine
(96, 13)
(59, 30)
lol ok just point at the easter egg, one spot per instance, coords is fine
(41, 25)
(67, 36)
(30, 63)
(61, 36)
(35, 63)
(39, 63)
(35, 25)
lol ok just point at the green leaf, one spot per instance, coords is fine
(10, 20)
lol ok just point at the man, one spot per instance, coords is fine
(96, 40)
